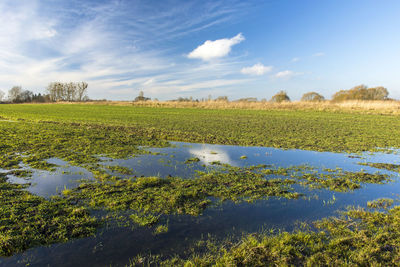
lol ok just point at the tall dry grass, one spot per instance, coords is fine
(370, 107)
(379, 107)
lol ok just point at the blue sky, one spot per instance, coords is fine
(173, 49)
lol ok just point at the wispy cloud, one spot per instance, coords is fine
(116, 46)
(295, 59)
(215, 49)
(319, 54)
(257, 69)
(287, 74)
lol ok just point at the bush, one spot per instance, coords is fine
(362, 92)
(141, 97)
(312, 96)
(280, 97)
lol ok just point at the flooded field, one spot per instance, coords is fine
(116, 244)
(102, 185)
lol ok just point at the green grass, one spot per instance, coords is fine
(27, 220)
(310, 130)
(151, 197)
(33, 143)
(359, 237)
(79, 134)
(384, 166)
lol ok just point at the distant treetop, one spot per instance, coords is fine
(312, 96)
(362, 92)
(280, 97)
(141, 97)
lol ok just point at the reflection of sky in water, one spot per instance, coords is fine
(116, 246)
(207, 156)
(45, 183)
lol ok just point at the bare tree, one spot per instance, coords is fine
(67, 91)
(70, 91)
(362, 92)
(378, 93)
(280, 97)
(51, 91)
(312, 96)
(2, 94)
(81, 91)
(141, 97)
(14, 94)
(25, 96)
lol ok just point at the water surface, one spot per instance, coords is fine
(116, 245)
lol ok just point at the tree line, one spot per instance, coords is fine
(360, 92)
(55, 91)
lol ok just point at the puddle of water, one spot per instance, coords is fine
(46, 183)
(117, 245)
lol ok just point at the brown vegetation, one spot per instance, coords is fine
(373, 107)
(280, 97)
(362, 92)
(312, 96)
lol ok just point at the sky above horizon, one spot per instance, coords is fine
(171, 49)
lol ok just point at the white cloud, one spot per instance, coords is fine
(215, 49)
(116, 52)
(256, 69)
(149, 81)
(319, 54)
(206, 155)
(295, 59)
(285, 74)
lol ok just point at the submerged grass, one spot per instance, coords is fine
(80, 134)
(153, 196)
(359, 237)
(27, 220)
(150, 197)
(33, 143)
(385, 166)
(342, 181)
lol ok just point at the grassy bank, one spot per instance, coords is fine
(310, 130)
(359, 237)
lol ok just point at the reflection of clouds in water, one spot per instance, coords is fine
(46, 183)
(208, 155)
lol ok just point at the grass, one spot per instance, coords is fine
(301, 129)
(27, 220)
(32, 144)
(151, 197)
(341, 181)
(385, 166)
(359, 237)
(390, 107)
(79, 134)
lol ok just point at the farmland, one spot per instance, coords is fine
(104, 140)
(310, 130)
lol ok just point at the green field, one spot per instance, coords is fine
(78, 134)
(310, 130)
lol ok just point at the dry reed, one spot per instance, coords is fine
(370, 107)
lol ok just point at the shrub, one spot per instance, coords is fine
(312, 96)
(280, 97)
(362, 92)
